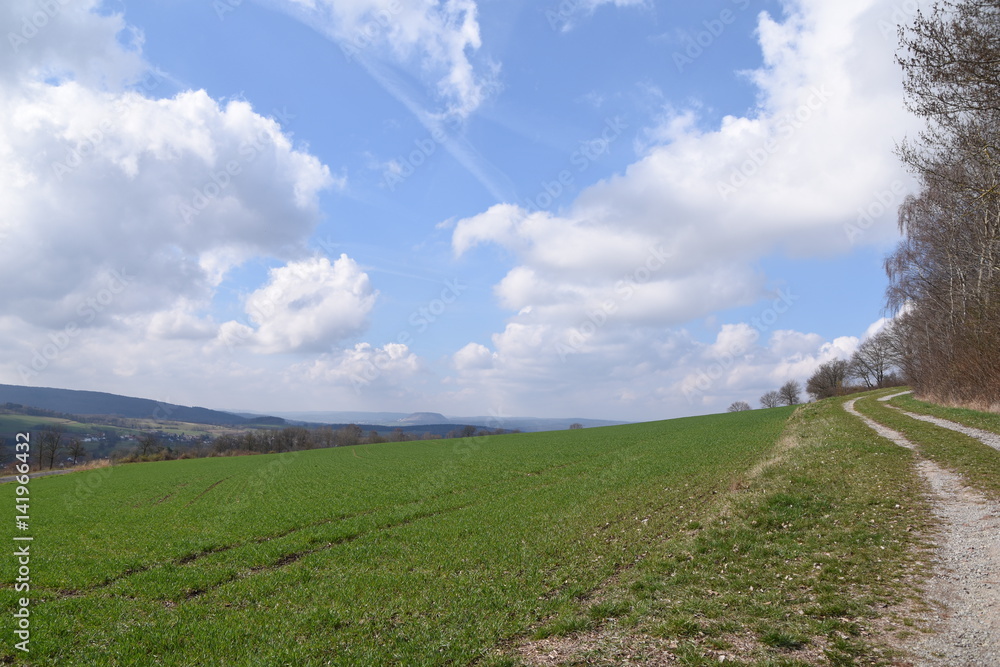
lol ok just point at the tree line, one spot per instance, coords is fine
(55, 447)
(944, 276)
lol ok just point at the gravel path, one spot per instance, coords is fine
(986, 437)
(965, 588)
(11, 478)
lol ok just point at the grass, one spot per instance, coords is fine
(401, 553)
(986, 421)
(797, 565)
(778, 537)
(976, 462)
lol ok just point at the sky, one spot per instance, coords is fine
(613, 209)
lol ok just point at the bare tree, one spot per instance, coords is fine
(77, 450)
(349, 435)
(945, 273)
(49, 446)
(828, 380)
(148, 444)
(874, 360)
(771, 399)
(739, 406)
(575, 426)
(790, 393)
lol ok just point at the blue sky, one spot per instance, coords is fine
(619, 209)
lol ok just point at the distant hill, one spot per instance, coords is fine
(339, 417)
(537, 424)
(99, 403)
(527, 424)
(75, 402)
(422, 418)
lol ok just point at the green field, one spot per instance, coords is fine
(690, 536)
(10, 423)
(17, 423)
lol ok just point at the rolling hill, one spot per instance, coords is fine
(75, 402)
(762, 537)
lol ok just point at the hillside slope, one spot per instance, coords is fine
(758, 538)
(76, 402)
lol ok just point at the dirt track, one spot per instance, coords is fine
(966, 581)
(11, 478)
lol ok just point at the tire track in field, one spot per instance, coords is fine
(290, 558)
(967, 554)
(195, 556)
(210, 487)
(284, 560)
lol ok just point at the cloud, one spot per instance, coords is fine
(173, 191)
(430, 43)
(638, 374)
(791, 176)
(309, 306)
(573, 268)
(125, 211)
(363, 368)
(473, 356)
(67, 40)
(432, 39)
(564, 15)
(678, 235)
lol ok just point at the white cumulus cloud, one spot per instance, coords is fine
(602, 289)
(310, 305)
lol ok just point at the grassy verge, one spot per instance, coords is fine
(977, 463)
(801, 566)
(986, 421)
